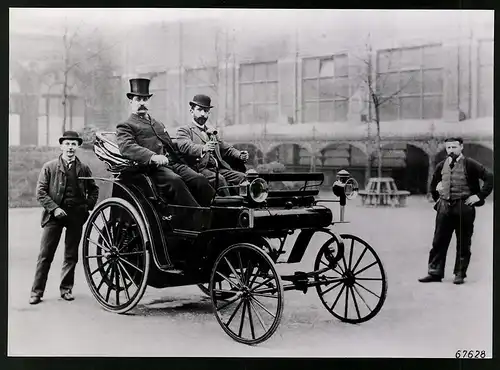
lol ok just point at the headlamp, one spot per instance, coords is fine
(258, 190)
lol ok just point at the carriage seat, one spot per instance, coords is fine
(106, 149)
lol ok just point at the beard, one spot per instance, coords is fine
(200, 120)
(453, 155)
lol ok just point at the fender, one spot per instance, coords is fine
(140, 208)
(303, 240)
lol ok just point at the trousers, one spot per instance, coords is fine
(226, 177)
(454, 216)
(51, 235)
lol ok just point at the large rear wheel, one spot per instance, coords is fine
(248, 303)
(114, 254)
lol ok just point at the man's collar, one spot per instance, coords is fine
(459, 158)
(196, 124)
(146, 116)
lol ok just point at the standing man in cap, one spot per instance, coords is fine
(143, 139)
(455, 186)
(201, 145)
(66, 203)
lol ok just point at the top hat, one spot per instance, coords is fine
(201, 100)
(139, 87)
(71, 135)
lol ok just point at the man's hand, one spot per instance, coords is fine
(440, 187)
(59, 213)
(159, 160)
(244, 155)
(209, 146)
(473, 199)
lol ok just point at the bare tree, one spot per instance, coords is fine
(83, 60)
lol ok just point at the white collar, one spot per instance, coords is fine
(458, 158)
(203, 128)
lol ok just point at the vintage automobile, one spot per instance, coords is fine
(230, 249)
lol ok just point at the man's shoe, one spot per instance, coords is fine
(458, 280)
(35, 300)
(67, 296)
(430, 279)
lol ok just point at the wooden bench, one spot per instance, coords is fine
(383, 191)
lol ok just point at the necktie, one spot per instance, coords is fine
(453, 161)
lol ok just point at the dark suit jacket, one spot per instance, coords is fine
(52, 184)
(139, 139)
(191, 139)
(473, 172)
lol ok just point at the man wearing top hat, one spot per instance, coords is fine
(145, 140)
(201, 146)
(66, 203)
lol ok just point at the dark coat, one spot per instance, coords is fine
(52, 184)
(473, 172)
(191, 139)
(139, 139)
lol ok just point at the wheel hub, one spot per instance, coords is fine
(349, 278)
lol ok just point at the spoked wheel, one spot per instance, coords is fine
(355, 287)
(115, 258)
(252, 309)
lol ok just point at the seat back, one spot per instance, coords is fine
(106, 149)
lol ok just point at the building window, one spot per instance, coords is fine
(258, 92)
(410, 83)
(485, 78)
(325, 89)
(203, 81)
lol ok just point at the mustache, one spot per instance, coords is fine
(142, 107)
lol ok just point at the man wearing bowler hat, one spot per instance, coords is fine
(66, 203)
(201, 147)
(145, 140)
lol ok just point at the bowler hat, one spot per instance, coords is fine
(201, 100)
(71, 135)
(139, 87)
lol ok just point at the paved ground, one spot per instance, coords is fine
(417, 320)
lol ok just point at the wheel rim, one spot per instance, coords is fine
(115, 259)
(356, 286)
(252, 308)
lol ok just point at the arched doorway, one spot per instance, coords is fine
(480, 153)
(255, 155)
(338, 156)
(407, 164)
(293, 156)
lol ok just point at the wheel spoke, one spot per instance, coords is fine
(265, 295)
(252, 330)
(96, 256)
(260, 284)
(131, 253)
(242, 321)
(102, 236)
(331, 288)
(346, 302)
(128, 275)
(258, 316)
(103, 278)
(229, 301)
(117, 282)
(366, 304)
(107, 249)
(243, 275)
(232, 283)
(111, 283)
(234, 312)
(345, 263)
(233, 271)
(338, 296)
(254, 276)
(106, 225)
(262, 306)
(368, 278)
(248, 273)
(350, 253)
(129, 242)
(368, 290)
(100, 267)
(125, 288)
(131, 265)
(359, 259)
(365, 268)
(355, 303)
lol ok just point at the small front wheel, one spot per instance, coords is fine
(354, 288)
(252, 303)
